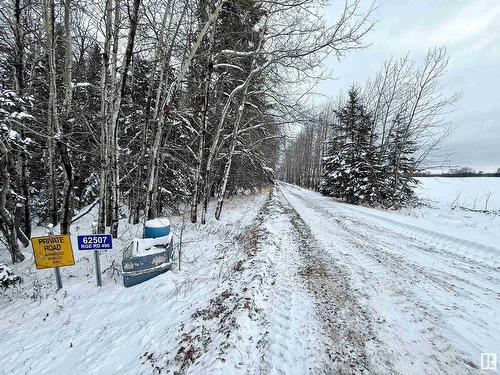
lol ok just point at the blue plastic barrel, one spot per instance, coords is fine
(155, 228)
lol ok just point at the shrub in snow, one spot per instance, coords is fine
(8, 277)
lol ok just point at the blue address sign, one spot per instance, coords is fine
(95, 242)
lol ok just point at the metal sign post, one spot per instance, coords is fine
(97, 259)
(57, 271)
(97, 268)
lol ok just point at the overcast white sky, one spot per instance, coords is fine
(470, 30)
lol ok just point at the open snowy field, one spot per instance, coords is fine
(288, 282)
(466, 208)
(480, 193)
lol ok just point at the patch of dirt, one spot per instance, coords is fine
(212, 326)
(151, 360)
(250, 239)
(346, 323)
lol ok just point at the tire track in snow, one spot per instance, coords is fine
(290, 341)
(261, 320)
(403, 276)
(348, 326)
(486, 256)
(487, 275)
(485, 282)
(388, 273)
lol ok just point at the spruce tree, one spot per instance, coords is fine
(330, 182)
(351, 166)
(401, 166)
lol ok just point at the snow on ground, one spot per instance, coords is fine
(239, 305)
(289, 282)
(480, 193)
(116, 330)
(456, 206)
(433, 298)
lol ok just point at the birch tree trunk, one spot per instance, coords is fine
(201, 147)
(67, 202)
(165, 110)
(105, 96)
(68, 59)
(120, 91)
(236, 128)
(52, 118)
(55, 132)
(136, 205)
(20, 87)
(227, 167)
(195, 197)
(213, 148)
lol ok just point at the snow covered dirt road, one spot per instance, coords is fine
(335, 289)
(430, 304)
(287, 282)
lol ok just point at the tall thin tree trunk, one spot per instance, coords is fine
(118, 97)
(52, 117)
(136, 207)
(201, 147)
(227, 168)
(105, 97)
(215, 143)
(67, 202)
(20, 85)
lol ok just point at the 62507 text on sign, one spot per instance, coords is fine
(95, 242)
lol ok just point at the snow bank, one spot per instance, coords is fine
(440, 235)
(457, 208)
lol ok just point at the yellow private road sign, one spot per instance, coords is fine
(52, 251)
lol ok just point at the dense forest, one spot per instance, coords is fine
(141, 107)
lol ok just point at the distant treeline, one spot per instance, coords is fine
(459, 172)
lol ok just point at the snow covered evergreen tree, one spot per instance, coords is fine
(400, 166)
(351, 167)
